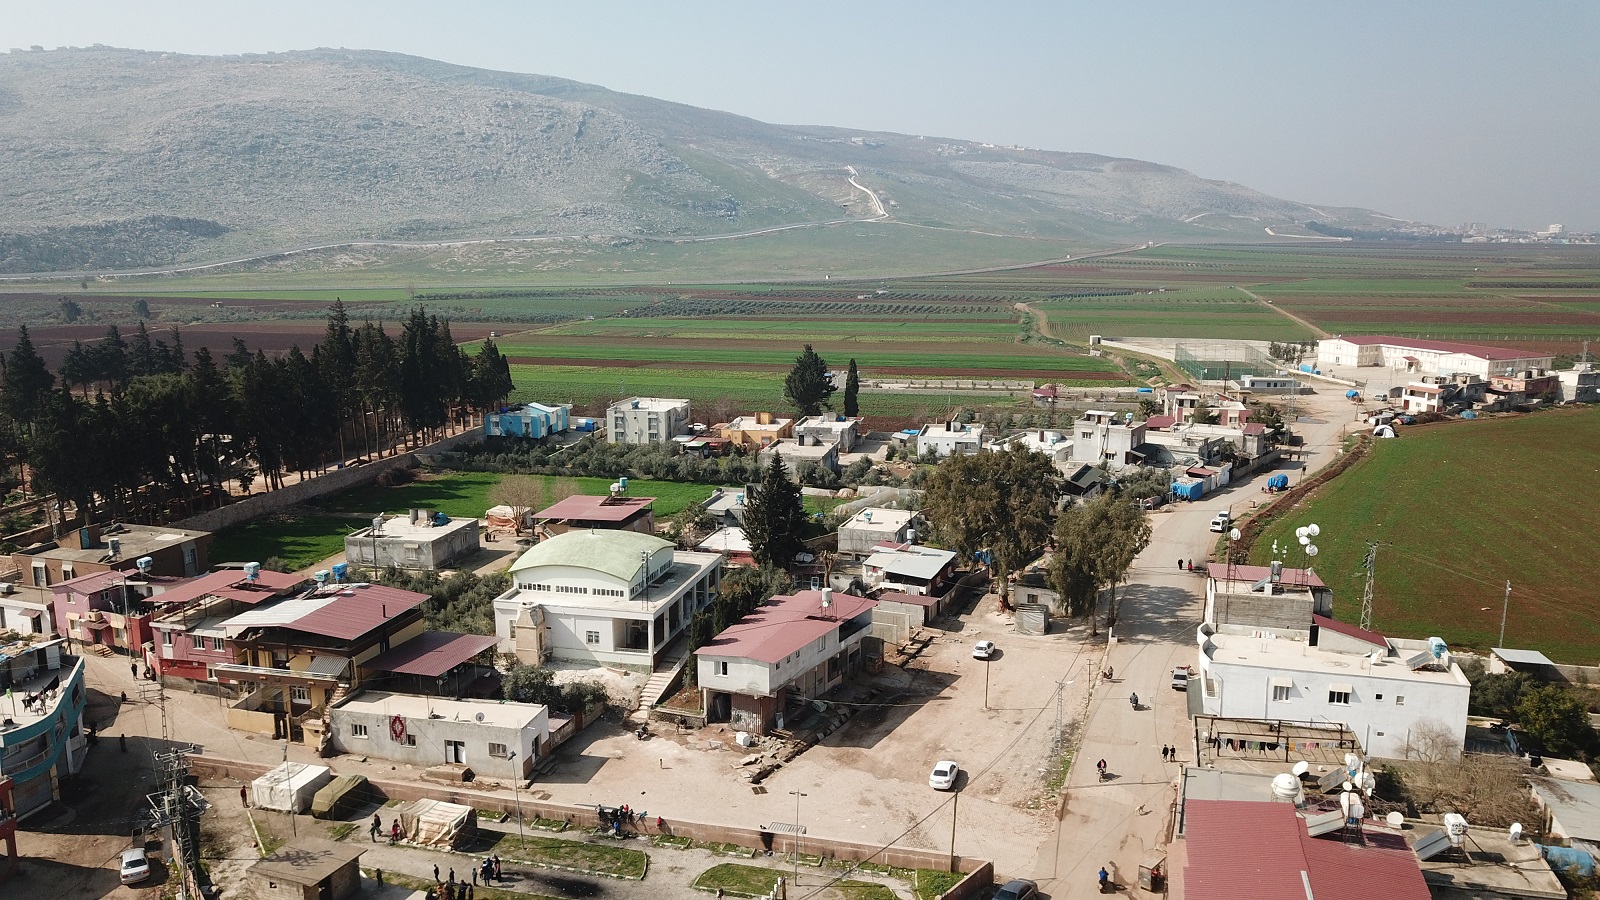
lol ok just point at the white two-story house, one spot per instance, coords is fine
(615, 598)
(759, 672)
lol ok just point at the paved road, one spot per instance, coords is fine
(1113, 822)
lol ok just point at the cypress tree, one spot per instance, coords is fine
(852, 388)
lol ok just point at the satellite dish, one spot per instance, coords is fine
(1301, 533)
(1311, 550)
(1301, 767)
(478, 717)
(1233, 535)
(1396, 820)
(1515, 833)
(1313, 530)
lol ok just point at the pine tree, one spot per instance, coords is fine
(852, 388)
(775, 518)
(27, 381)
(808, 386)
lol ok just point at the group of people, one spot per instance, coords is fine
(487, 870)
(377, 826)
(1169, 754)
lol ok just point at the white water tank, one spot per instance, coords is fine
(1285, 786)
(1455, 825)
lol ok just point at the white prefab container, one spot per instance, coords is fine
(289, 787)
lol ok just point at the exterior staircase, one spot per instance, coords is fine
(655, 690)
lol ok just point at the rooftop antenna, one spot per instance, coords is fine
(1371, 565)
(1233, 537)
(1304, 535)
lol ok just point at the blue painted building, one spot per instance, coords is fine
(531, 420)
(42, 740)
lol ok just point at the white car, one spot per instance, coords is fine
(983, 650)
(944, 775)
(1219, 522)
(135, 866)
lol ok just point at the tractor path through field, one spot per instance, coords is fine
(1282, 312)
(872, 195)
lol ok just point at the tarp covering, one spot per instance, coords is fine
(338, 796)
(504, 517)
(434, 823)
(289, 787)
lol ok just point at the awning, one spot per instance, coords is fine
(1283, 682)
(334, 666)
(432, 653)
(1341, 687)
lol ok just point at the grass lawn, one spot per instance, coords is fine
(1459, 509)
(932, 884)
(756, 881)
(599, 859)
(299, 542)
(459, 494)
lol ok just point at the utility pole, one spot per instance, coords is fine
(1371, 565)
(1505, 606)
(955, 805)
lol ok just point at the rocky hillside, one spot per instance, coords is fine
(123, 159)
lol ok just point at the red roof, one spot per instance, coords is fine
(431, 653)
(1245, 850)
(1253, 428)
(1477, 350)
(1159, 422)
(1048, 390)
(596, 509)
(232, 584)
(1256, 573)
(1355, 631)
(785, 625)
(357, 610)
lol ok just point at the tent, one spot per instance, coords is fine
(1188, 488)
(339, 796)
(506, 517)
(1278, 482)
(435, 823)
(289, 787)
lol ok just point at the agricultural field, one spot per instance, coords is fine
(1185, 313)
(1459, 509)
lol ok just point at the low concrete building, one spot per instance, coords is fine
(756, 432)
(796, 456)
(1382, 689)
(307, 869)
(495, 739)
(761, 672)
(1424, 356)
(1054, 444)
(580, 512)
(1270, 384)
(530, 420)
(860, 536)
(173, 552)
(421, 541)
(646, 420)
(949, 439)
(604, 598)
(1033, 586)
(1580, 384)
(911, 570)
(731, 542)
(1257, 598)
(843, 432)
(43, 740)
(1106, 437)
(1421, 398)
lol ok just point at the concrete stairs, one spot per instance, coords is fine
(655, 689)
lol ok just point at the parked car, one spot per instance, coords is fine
(1017, 889)
(944, 775)
(983, 650)
(135, 866)
(1219, 522)
(1180, 678)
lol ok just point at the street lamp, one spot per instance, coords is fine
(517, 794)
(797, 831)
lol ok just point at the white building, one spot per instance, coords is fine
(615, 598)
(26, 610)
(646, 420)
(1107, 437)
(1054, 444)
(833, 429)
(1381, 689)
(950, 439)
(1420, 398)
(430, 731)
(1580, 384)
(910, 570)
(1419, 356)
(861, 535)
(759, 672)
(1270, 384)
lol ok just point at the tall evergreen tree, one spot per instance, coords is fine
(27, 381)
(111, 360)
(775, 518)
(336, 363)
(808, 386)
(852, 389)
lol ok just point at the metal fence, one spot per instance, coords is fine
(1221, 360)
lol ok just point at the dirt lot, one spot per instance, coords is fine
(868, 781)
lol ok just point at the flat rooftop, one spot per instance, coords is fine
(654, 404)
(687, 567)
(1297, 655)
(586, 508)
(134, 541)
(877, 518)
(402, 528)
(1224, 572)
(1493, 865)
(790, 449)
(752, 423)
(495, 714)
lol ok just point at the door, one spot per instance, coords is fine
(455, 752)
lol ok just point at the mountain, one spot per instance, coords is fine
(123, 158)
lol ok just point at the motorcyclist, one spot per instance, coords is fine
(1101, 765)
(1134, 700)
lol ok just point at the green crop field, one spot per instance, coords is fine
(1193, 313)
(1458, 510)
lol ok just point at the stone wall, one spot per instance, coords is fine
(331, 482)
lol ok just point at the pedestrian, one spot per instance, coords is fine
(452, 875)
(661, 825)
(133, 669)
(435, 873)
(474, 874)
(374, 831)
(497, 875)
(394, 832)
(122, 740)
(471, 892)
(244, 796)
(1180, 564)
(124, 696)
(377, 874)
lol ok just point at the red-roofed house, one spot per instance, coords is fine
(582, 512)
(761, 670)
(1242, 850)
(188, 634)
(1424, 356)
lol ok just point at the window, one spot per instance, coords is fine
(455, 752)
(720, 667)
(1280, 693)
(197, 642)
(498, 751)
(216, 644)
(166, 639)
(300, 695)
(1339, 698)
(410, 741)
(66, 571)
(1378, 697)
(1399, 699)
(591, 637)
(358, 730)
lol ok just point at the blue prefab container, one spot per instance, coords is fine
(1188, 490)
(1575, 861)
(1147, 390)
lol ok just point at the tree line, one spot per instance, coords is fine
(139, 429)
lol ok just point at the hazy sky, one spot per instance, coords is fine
(1445, 112)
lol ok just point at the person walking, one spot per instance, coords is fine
(377, 826)
(497, 876)
(133, 670)
(452, 880)
(394, 834)
(474, 874)
(244, 796)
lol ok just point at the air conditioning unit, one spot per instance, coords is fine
(7, 588)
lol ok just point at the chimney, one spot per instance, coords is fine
(827, 598)
(763, 418)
